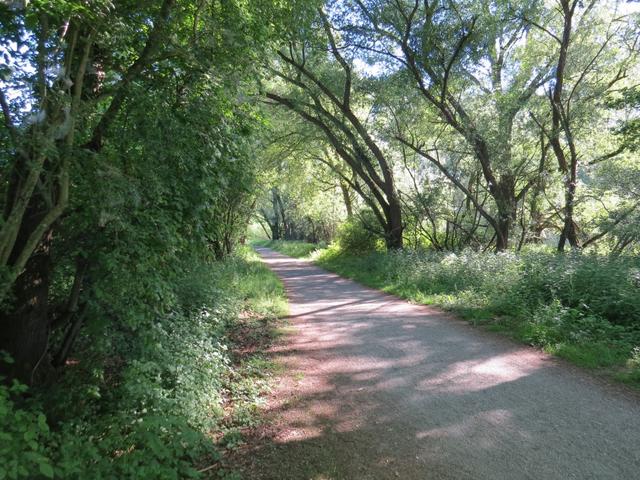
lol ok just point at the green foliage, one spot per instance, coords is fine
(144, 403)
(24, 436)
(161, 446)
(585, 308)
(359, 234)
(292, 248)
(629, 129)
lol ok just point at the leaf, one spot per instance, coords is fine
(46, 470)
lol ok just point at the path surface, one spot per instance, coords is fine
(378, 388)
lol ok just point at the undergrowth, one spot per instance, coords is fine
(166, 401)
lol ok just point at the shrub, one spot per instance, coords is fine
(142, 402)
(24, 434)
(357, 236)
(160, 445)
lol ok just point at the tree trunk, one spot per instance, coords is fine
(70, 337)
(560, 124)
(24, 324)
(502, 233)
(218, 249)
(506, 202)
(275, 231)
(73, 316)
(537, 224)
(279, 207)
(569, 231)
(348, 204)
(394, 227)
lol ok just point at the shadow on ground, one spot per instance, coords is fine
(378, 388)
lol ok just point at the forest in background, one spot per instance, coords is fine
(480, 153)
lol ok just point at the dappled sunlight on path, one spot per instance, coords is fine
(379, 388)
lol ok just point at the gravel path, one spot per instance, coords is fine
(377, 388)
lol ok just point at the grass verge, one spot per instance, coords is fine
(585, 309)
(251, 373)
(295, 249)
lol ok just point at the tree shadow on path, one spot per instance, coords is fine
(378, 388)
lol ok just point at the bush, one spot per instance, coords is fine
(357, 236)
(148, 420)
(142, 403)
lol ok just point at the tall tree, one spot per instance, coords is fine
(593, 58)
(323, 95)
(478, 66)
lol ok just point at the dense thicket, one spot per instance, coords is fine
(129, 157)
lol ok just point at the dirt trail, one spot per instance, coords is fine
(378, 388)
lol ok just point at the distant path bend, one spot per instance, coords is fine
(378, 388)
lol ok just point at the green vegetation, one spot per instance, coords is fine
(294, 248)
(154, 408)
(142, 143)
(130, 168)
(585, 308)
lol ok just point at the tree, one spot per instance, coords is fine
(320, 102)
(115, 85)
(62, 35)
(478, 66)
(299, 199)
(599, 62)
